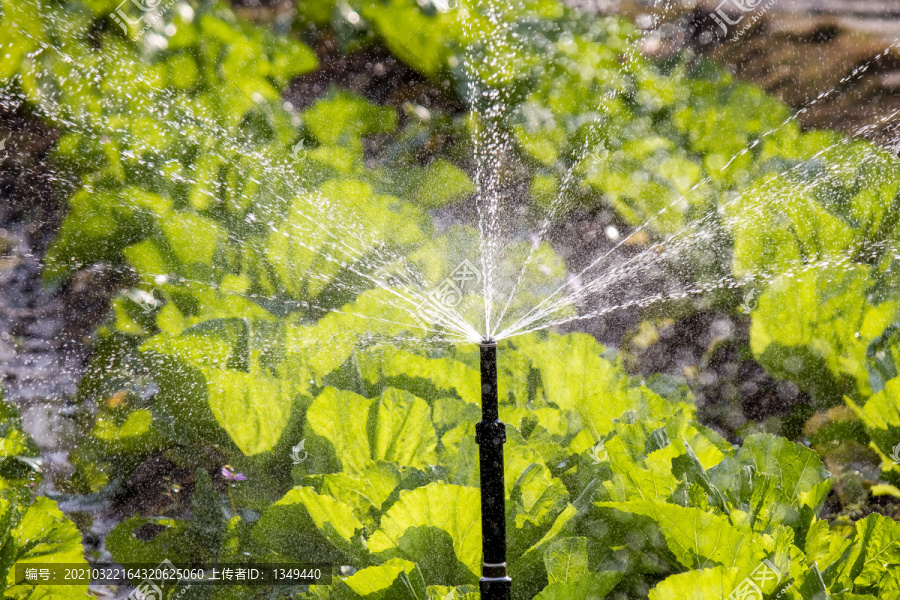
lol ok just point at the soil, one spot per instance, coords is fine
(835, 61)
(44, 334)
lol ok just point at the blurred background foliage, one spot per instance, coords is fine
(181, 145)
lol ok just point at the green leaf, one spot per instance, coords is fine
(422, 374)
(566, 559)
(815, 327)
(327, 416)
(365, 492)
(208, 520)
(459, 454)
(825, 548)
(697, 539)
(447, 592)
(291, 58)
(576, 378)
(140, 540)
(395, 578)
(402, 430)
(788, 477)
(689, 465)
(31, 531)
(45, 535)
(252, 408)
(308, 258)
(449, 412)
(419, 40)
(588, 587)
(536, 499)
(135, 434)
(192, 238)
(633, 481)
(528, 568)
(399, 428)
(439, 527)
(310, 527)
(702, 584)
(798, 470)
(814, 587)
(442, 183)
(344, 117)
(328, 344)
(875, 551)
(101, 226)
(205, 383)
(19, 455)
(183, 398)
(783, 232)
(881, 416)
(7, 546)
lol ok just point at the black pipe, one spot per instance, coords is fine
(490, 435)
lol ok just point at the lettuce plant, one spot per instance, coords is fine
(33, 530)
(242, 336)
(613, 488)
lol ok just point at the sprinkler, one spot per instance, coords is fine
(490, 435)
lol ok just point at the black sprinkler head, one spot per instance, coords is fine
(490, 434)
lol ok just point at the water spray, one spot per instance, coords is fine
(490, 435)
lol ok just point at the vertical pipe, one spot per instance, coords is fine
(490, 434)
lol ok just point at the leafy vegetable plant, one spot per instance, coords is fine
(239, 346)
(33, 530)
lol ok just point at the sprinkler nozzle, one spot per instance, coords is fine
(487, 342)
